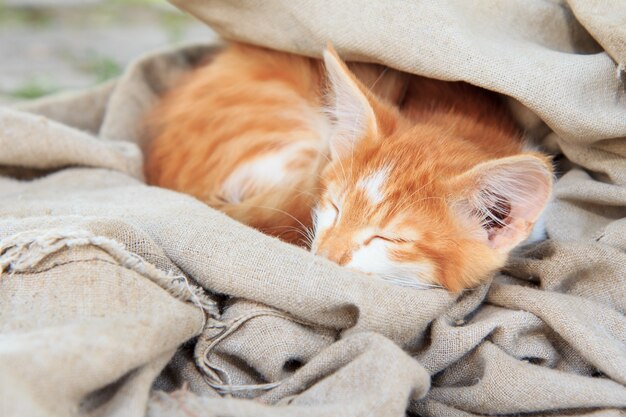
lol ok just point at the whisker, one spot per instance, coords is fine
(382, 73)
(305, 237)
(405, 281)
(277, 210)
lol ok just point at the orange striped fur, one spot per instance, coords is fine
(418, 180)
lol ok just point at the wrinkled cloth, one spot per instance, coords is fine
(121, 299)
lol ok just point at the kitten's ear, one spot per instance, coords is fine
(350, 108)
(504, 198)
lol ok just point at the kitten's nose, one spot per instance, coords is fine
(339, 256)
(344, 258)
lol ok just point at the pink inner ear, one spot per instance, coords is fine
(351, 112)
(512, 193)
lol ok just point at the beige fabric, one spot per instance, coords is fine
(112, 291)
(360, 375)
(606, 21)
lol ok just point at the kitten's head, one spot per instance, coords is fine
(413, 203)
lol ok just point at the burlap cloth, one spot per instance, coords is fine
(120, 299)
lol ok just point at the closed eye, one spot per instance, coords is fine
(336, 211)
(326, 216)
(391, 239)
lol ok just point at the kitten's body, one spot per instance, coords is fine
(241, 134)
(437, 190)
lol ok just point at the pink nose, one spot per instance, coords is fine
(341, 257)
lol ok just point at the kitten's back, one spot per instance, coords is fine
(478, 115)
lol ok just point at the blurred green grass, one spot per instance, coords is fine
(101, 13)
(34, 88)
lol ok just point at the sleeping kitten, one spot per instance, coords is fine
(439, 191)
(436, 191)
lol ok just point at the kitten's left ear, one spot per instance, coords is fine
(504, 198)
(350, 106)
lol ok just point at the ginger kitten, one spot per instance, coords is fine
(439, 191)
(433, 188)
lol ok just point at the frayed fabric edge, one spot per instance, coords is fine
(215, 332)
(23, 251)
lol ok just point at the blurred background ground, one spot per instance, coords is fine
(53, 45)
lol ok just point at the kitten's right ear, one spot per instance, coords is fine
(350, 108)
(504, 197)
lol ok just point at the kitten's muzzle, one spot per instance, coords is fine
(339, 256)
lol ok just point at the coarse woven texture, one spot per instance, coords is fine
(120, 299)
